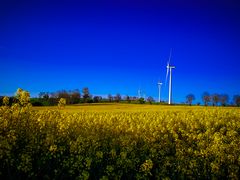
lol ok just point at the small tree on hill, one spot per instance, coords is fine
(150, 99)
(86, 95)
(44, 95)
(215, 99)
(110, 98)
(97, 99)
(128, 99)
(206, 98)
(75, 96)
(64, 94)
(141, 100)
(236, 100)
(118, 97)
(190, 98)
(224, 98)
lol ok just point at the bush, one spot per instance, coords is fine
(141, 100)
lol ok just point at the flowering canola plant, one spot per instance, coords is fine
(54, 144)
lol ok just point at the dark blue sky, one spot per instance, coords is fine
(120, 46)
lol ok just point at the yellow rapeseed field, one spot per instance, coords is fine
(118, 141)
(121, 107)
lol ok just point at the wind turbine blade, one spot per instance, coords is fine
(170, 56)
(167, 75)
(168, 65)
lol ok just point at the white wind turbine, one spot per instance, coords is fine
(169, 70)
(159, 91)
(139, 93)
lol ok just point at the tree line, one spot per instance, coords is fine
(214, 99)
(76, 96)
(71, 97)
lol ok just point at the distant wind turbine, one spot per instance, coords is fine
(159, 91)
(139, 93)
(169, 70)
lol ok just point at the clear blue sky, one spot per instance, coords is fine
(119, 46)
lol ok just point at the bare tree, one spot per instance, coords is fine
(97, 99)
(53, 98)
(150, 99)
(118, 97)
(41, 94)
(128, 99)
(53, 95)
(44, 95)
(223, 98)
(236, 100)
(86, 94)
(75, 96)
(206, 98)
(215, 99)
(65, 95)
(110, 98)
(190, 98)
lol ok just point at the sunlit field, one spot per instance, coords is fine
(119, 107)
(118, 141)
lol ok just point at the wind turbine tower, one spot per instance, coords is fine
(169, 69)
(170, 83)
(139, 93)
(159, 91)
